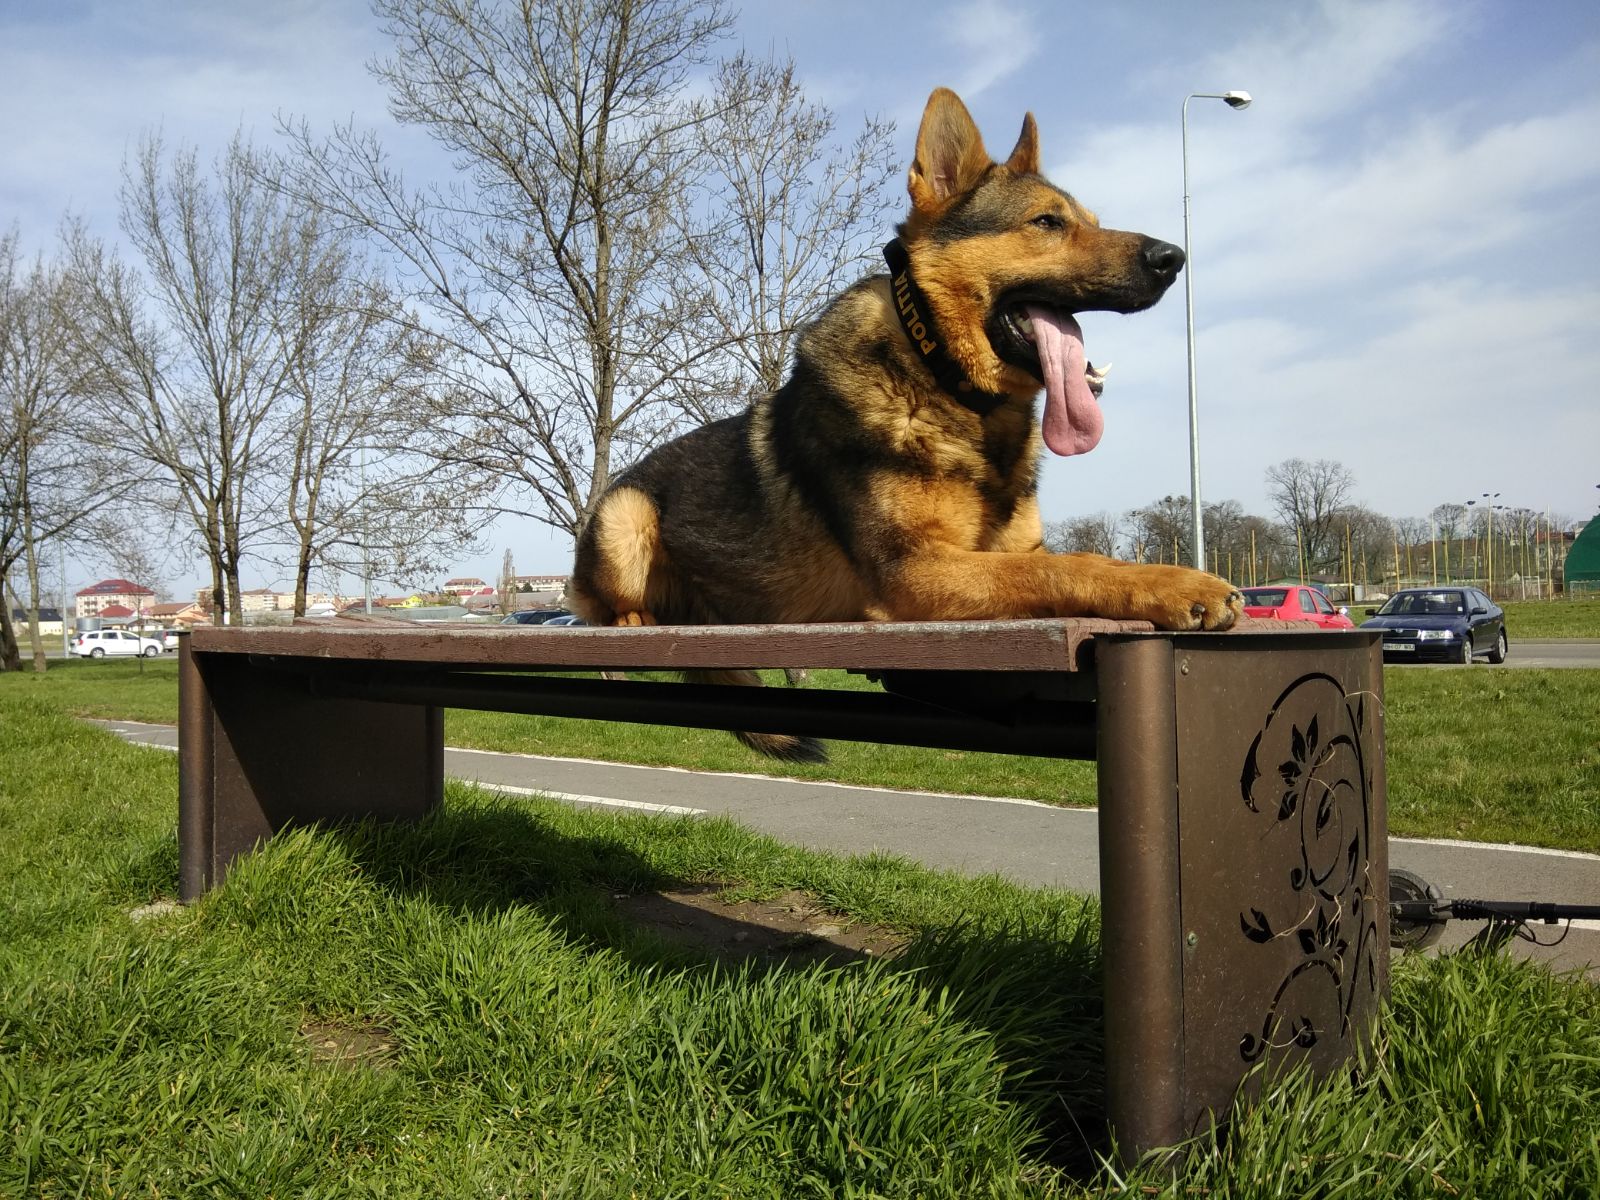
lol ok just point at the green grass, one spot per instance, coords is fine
(114, 688)
(538, 1044)
(1552, 618)
(1481, 754)
(1510, 756)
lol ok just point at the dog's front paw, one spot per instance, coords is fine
(1185, 599)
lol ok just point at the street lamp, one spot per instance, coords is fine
(1232, 100)
(1488, 515)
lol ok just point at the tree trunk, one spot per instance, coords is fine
(302, 575)
(31, 559)
(219, 598)
(10, 655)
(35, 642)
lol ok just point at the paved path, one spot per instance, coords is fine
(1551, 652)
(1032, 843)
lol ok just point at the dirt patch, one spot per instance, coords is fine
(789, 928)
(349, 1045)
(159, 908)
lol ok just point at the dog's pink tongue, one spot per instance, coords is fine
(1072, 418)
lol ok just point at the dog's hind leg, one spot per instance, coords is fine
(619, 558)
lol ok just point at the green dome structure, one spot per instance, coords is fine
(1582, 572)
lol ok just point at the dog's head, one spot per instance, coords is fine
(1007, 259)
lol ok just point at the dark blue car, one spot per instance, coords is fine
(1443, 624)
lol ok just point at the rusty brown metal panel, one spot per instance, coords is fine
(1040, 645)
(972, 645)
(1140, 914)
(1283, 873)
(196, 808)
(281, 756)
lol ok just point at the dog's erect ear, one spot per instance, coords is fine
(950, 154)
(1024, 158)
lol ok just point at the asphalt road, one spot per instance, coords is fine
(1023, 840)
(1572, 652)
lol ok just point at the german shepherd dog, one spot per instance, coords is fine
(893, 477)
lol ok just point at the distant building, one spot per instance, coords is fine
(264, 604)
(528, 591)
(49, 622)
(260, 600)
(93, 600)
(387, 603)
(541, 583)
(1581, 574)
(179, 613)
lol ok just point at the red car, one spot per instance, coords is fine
(1294, 603)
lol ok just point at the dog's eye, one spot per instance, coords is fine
(1050, 221)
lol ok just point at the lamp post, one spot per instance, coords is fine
(1489, 506)
(1477, 538)
(1232, 100)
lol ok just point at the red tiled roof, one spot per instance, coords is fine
(116, 610)
(115, 587)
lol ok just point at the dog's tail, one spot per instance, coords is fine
(786, 747)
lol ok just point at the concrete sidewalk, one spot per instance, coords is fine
(1032, 843)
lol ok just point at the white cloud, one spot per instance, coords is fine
(80, 95)
(1319, 62)
(1432, 196)
(995, 41)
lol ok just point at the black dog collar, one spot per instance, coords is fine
(916, 318)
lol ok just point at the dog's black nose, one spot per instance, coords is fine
(1163, 258)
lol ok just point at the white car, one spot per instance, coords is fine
(100, 642)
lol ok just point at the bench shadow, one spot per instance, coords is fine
(1035, 992)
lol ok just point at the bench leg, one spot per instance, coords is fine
(1244, 869)
(257, 752)
(1141, 919)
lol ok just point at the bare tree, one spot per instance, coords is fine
(553, 269)
(1227, 537)
(508, 583)
(788, 216)
(1451, 521)
(186, 358)
(1412, 535)
(344, 478)
(51, 479)
(1161, 531)
(1307, 496)
(246, 363)
(1366, 542)
(1097, 533)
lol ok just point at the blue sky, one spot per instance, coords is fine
(1395, 258)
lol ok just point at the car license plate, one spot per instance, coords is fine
(1389, 647)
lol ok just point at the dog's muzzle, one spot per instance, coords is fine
(1163, 260)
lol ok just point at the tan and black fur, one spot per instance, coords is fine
(862, 489)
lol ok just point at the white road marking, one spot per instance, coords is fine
(1507, 847)
(676, 810)
(782, 779)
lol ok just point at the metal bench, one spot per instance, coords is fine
(1243, 860)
